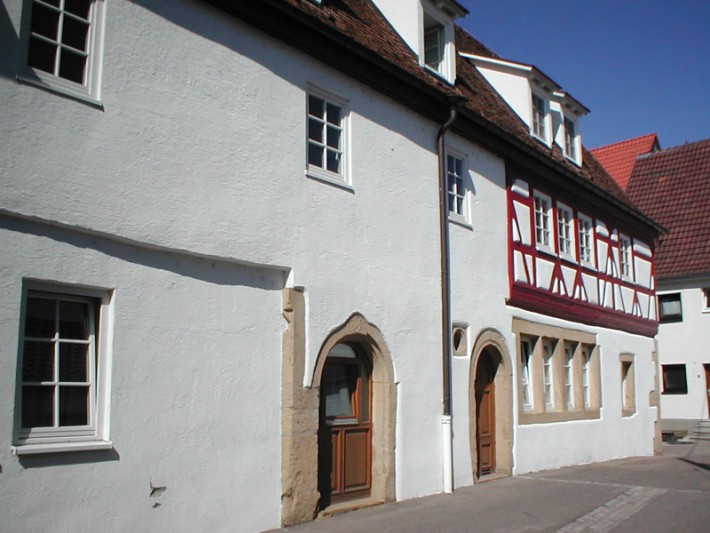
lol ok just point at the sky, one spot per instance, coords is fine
(639, 66)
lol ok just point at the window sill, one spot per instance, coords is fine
(460, 221)
(329, 177)
(61, 447)
(59, 87)
(528, 417)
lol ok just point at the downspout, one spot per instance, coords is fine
(446, 435)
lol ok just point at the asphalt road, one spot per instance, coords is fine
(642, 494)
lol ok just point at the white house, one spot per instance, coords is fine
(236, 295)
(673, 186)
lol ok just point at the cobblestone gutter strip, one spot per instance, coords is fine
(614, 512)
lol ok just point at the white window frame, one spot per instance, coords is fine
(93, 435)
(342, 176)
(566, 242)
(526, 358)
(548, 372)
(626, 257)
(458, 196)
(587, 352)
(90, 90)
(539, 126)
(585, 234)
(544, 229)
(571, 148)
(432, 23)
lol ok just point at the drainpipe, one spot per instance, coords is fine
(446, 435)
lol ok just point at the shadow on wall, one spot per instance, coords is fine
(9, 44)
(216, 270)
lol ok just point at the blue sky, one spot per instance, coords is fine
(640, 66)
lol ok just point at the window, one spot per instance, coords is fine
(586, 240)
(547, 373)
(64, 41)
(628, 386)
(326, 138)
(539, 117)
(525, 383)
(586, 369)
(433, 44)
(706, 299)
(670, 308)
(542, 221)
(625, 257)
(61, 394)
(565, 234)
(674, 379)
(570, 139)
(456, 187)
(569, 374)
(559, 373)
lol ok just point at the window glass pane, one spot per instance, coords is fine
(73, 362)
(315, 155)
(37, 406)
(338, 390)
(39, 317)
(78, 7)
(333, 114)
(333, 161)
(315, 130)
(71, 66)
(316, 106)
(41, 55)
(74, 33)
(38, 361)
(45, 21)
(365, 395)
(333, 137)
(73, 320)
(670, 307)
(73, 406)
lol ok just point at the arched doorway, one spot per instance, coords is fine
(345, 425)
(486, 413)
(491, 406)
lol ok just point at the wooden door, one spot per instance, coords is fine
(345, 435)
(485, 415)
(707, 385)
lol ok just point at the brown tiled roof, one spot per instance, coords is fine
(673, 187)
(618, 159)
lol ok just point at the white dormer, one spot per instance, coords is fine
(427, 26)
(551, 114)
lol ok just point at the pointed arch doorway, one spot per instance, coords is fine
(345, 427)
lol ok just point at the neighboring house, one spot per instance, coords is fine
(235, 294)
(673, 187)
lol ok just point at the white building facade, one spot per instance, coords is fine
(223, 284)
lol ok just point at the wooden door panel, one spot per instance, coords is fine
(357, 459)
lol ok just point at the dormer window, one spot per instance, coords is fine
(570, 139)
(433, 44)
(539, 108)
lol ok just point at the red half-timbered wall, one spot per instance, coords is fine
(596, 292)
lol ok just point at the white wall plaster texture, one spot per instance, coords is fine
(687, 343)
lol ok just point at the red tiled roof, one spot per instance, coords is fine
(673, 187)
(618, 159)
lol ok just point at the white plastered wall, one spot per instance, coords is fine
(200, 149)
(687, 342)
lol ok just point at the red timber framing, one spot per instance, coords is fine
(596, 291)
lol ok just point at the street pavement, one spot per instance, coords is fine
(668, 493)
